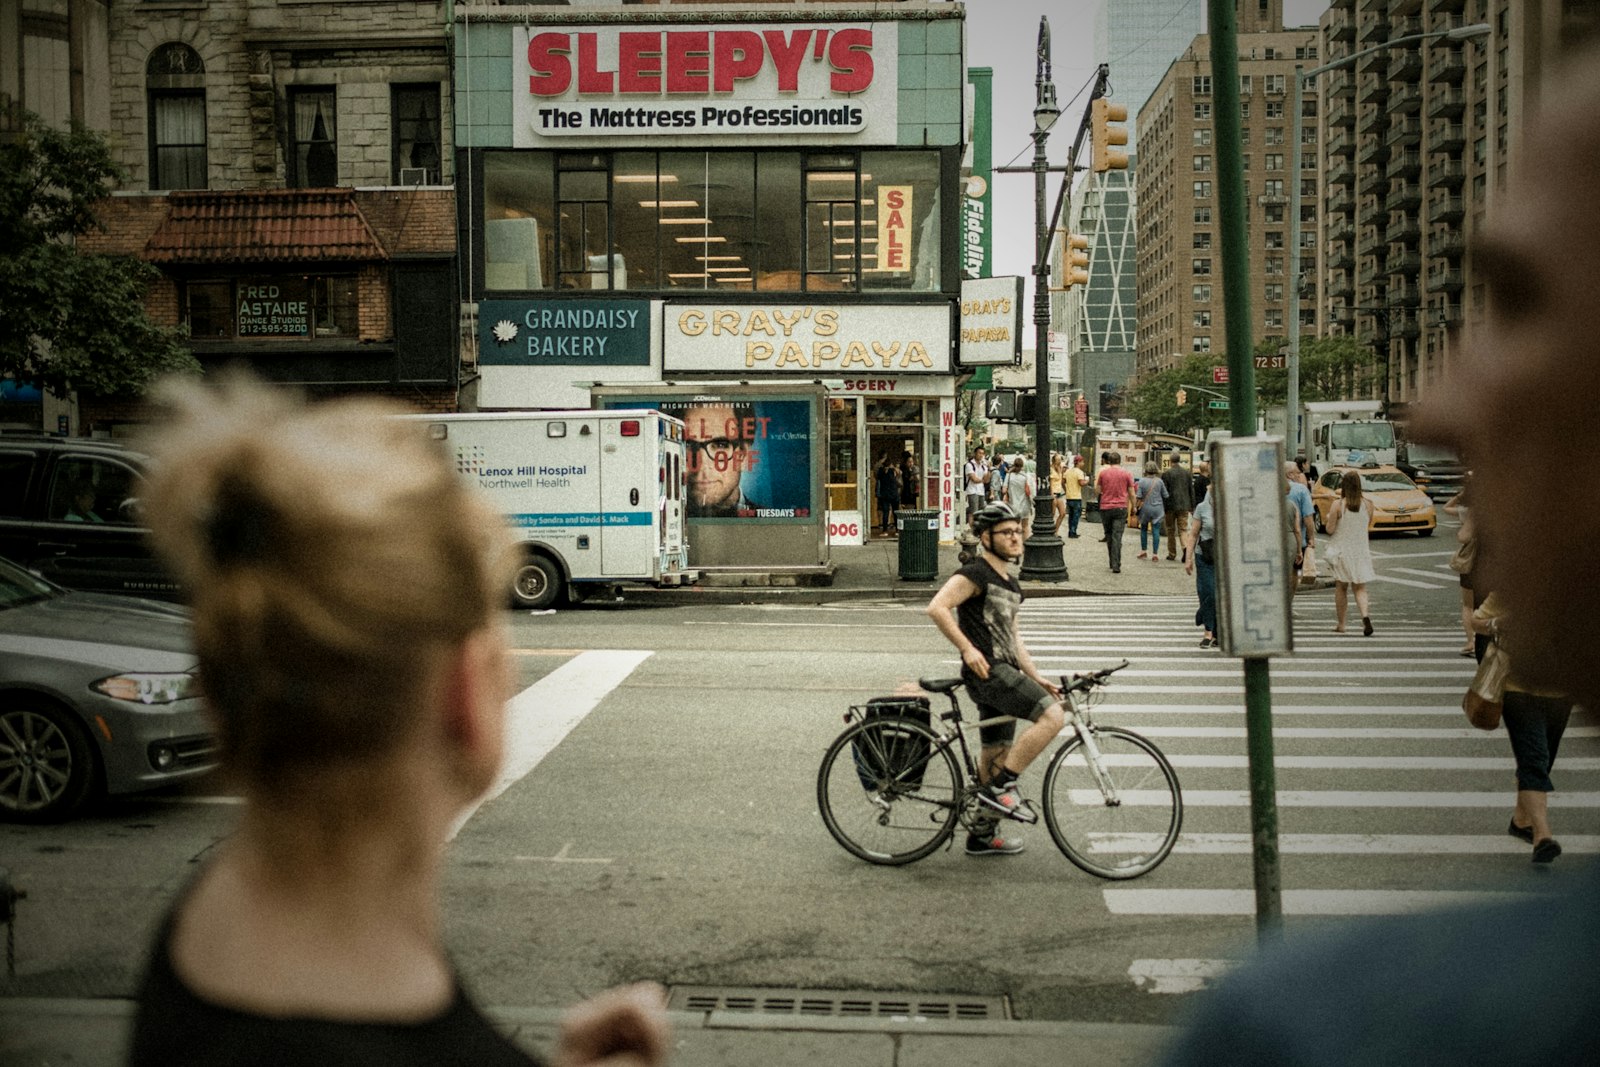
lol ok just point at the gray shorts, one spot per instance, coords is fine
(1007, 691)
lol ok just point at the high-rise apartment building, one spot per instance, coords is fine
(1180, 306)
(1418, 142)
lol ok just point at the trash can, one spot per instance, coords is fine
(919, 545)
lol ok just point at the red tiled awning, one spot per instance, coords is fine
(263, 226)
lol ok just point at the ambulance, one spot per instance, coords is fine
(595, 497)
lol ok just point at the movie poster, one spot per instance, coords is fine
(746, 458)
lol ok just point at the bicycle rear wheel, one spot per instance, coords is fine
(886, 793)
(1113, 840)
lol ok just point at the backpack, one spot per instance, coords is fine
(904, 752)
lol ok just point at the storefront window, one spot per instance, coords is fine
(728, 220)
(272, 307)
(843, 494)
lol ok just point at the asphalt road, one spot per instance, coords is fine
(658, 816)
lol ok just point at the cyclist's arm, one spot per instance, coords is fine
(1025, 661)
(942, 610)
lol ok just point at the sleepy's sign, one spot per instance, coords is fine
(786, 83)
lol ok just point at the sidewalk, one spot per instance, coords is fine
(93, 1033)
(871, 572)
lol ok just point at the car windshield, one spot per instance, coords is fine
(19, 587)
(1362, 435)
(1429, 454)
(1385, 481)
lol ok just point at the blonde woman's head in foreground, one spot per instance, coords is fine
(337, 566)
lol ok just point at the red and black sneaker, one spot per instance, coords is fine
(1007, 801)
(993, 845)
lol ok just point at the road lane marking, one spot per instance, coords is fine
(1177, 976)
(1323, 798)
(539, 717)
(1295, 901)
(1342, 844)
(561, 857)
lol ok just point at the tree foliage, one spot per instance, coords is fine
(71, 319)
(1331, 368)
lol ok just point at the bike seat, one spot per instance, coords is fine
(939, 685)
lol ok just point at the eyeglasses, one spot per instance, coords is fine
(720, 449)
(1009, 531)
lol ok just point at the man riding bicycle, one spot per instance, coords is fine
(977, 611)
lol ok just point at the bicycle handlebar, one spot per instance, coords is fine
(1081, 682)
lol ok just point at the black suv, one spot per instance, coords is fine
(1436, 470)
(68, 510)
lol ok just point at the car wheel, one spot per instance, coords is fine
(1321, 529)
(537, 584)
(47, 764)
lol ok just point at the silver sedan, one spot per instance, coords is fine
(98, 695)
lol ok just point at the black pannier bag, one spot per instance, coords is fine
(905, 752)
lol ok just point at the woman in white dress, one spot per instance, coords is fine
(1349, 557)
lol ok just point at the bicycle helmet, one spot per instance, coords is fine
(990, 516)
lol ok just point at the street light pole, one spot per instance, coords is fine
(1042, 560)
(1302, 82)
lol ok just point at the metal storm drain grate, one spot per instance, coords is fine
(854, 1003)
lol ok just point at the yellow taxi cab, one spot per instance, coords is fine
(1397, 503)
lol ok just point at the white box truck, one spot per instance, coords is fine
(595, 496)
(1347, 431)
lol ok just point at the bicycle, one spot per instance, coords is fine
(892, 792)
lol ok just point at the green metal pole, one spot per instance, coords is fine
(1242, 407)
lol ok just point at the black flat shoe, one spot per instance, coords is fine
(1366, 627)
(1524, 833)
(1546, 850)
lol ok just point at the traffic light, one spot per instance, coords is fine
(1183, 397)
(1077, 265)
(1027, 407)
(1103, 135)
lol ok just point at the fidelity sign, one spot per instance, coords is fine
(787, 82)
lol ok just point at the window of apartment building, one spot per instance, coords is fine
(1308, 212)
(1202, 216)
(281, 307)
(1202, 163)
(1272, 187)
(1276, 84)
(1274, 318)
(1305, 51)
(1274, 239)
(1200, 85)
(1202, 320)
(1200, 344)
(1202, 240)
(1272, 135)
(1480, 150)
(1244, 137)
(415, 134)
(1244, 84)
(1308, 187)
(1308, 135)
(314, 138)
(1201, 293)
(1274, 213)
(1245, 161)
(1202, 190)
(1202, 112)
(1274, 160)
(1244, 110)
(1274, 264)
(175, 79)
(1200, 266)
(1308, 318)
(727, 220)
(1202, 136)
(1274, 293)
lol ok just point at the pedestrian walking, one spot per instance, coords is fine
(359, 720)
(997, 478)
(1058, 491)
(1202, 481)
(1152, 505)
(1200, 560)
(1349, 554)
(1535, 721)
(1114, 487)
(1020, 492)
(976, 476)
(886, 487)
(1464, 563)
(1073, 482)
(1180, 503)
(1302, 524)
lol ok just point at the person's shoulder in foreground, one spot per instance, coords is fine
(1508, 984)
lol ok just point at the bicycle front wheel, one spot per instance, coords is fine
(887, 793)
(1123, 836)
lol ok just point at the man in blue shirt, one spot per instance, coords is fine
(1302, 521)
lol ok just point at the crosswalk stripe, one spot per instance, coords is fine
(1498, 764)
(539, 717)
(1344, 844)
(1408, 581)
(1380, 733)
(1386, 710)
(1448, 574)
(1327, 798)
(1047, 665)
(1177, 976)
(1455, 671)
(1295, 901)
